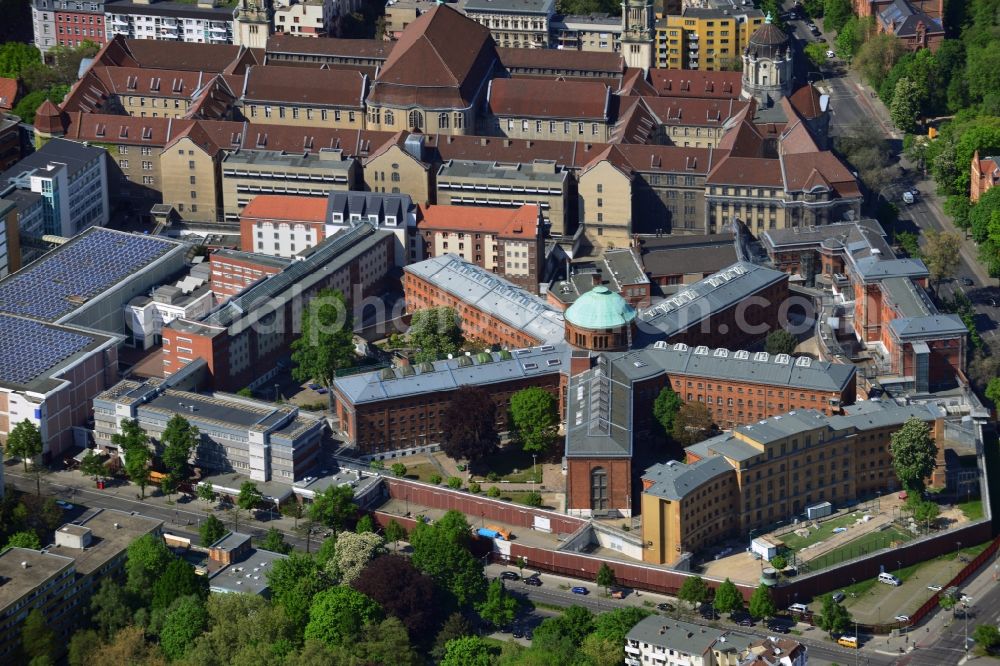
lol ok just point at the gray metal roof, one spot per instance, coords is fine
(520, 171)
(937, 325)
(749, 367)
(684, 637)
(881, 413)
(57, 151)
(784, 425)
(911, 300)
(865, 233)
(702, 299)
(545, 7)
(876, 268)
(674, 480)
(367, 204)
(314, 160)
(253, 257)
(248, 576)
(453, 373)
(493, 295)
(598, 414)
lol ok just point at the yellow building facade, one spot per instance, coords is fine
(707, 38)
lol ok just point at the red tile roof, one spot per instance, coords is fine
(632, 158)
(696, 83)
(536, 98)
(806, 102)
(692, 111)
(746, 171)
(806, 170)
(441, 61)
(559, 62)
(286, 207)
(374, 49)
(48, 118)
(156, 54)
(298, 85)
(8, 93)
(505, 223)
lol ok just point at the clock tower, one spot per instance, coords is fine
(252, 24)
(638, 21)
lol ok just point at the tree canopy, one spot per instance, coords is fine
(693, 590)
(182, 625)
(326, 344)
(665, 408)
(761, 603)
(441, 551)
(403, 592)
(352, 554)
(212, 530)
(134, 443)
(435, 332)
(15, 57)
(728, 598)
(834, 618)
(337, 615)
(25, 539)
(179, 440)
(692, 424)
(534, 417)
(145, 559)
(25, 442)
(333, 507)
(780, 342)
(913, 453)
(469, 425)
(941, 253)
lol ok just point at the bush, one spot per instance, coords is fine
(534, 498)
(474, 488)
(435, 479)
(493, 492)
(493, 477)
(398, 469)
(454, 483)
(779, 562)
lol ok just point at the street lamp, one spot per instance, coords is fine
(899, 567)
(534, 477)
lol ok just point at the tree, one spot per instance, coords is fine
(183, 624)
(25, 442)
(728, 598)
(211, 530)
(910, 243)
(274, 541)
(168, 486)
(993, 391)
(987, 637)
(337, 615)
(146, 558)
(25, 539)
(333, 507)
(942, 253)
(398, 470)
(693, 590)
(779, 562)
(93, 465)
(435, 332)
(352, 554)
(37, 639)
(249, 497)
(876, 58)
(327, 341)
(129, 646)
(441, 551)
(294, 582)
(574, 624)
(207, 492)
(905, 105)
(605, 577)
(665, 409)
(454, 482)
(469, 426)
(780, 342)
(615, 625)
(849, 38)
(384, 643)
(533, 499)
(982, 71)
(403, 592)
(110, 610)
(134, 443)
(395, 533)
(534, 416)
(455, 626)
(177, 580)
(82, 646)
(816, 53)
(364, 524)
(15, 56)
(913, 454)
(836, 13)
(692, 424)
(499, 607)
(179, 439)
(467, 651)
(834, 618)
(761, 603)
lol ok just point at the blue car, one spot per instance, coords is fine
(580, 590)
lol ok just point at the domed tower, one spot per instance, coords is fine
(600, 320)
(767, 65)
(50, 123)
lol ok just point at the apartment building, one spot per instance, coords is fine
(234, 271)
(513, 23)
(30, 219)
(304, 18)
(282, 226)
(541, 183)
(398, 410)
(201, 23)
(72, 180)
(261, 440)
(661, 641)
(706, 34)
(507, 242)
(300, 96)
(491, 309)
(915, 28)
(247, 174)
(242, 341)
(65, 575)
(10, 238)
(984, 174)
(561, 110)
(10, 134)
(401, 13)
(597, 32)
(777, 467)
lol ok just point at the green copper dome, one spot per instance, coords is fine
(599, 309)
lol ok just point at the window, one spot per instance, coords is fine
(123, 164)
(443, 121)
(389, 118)
(598, 489)
(416, 120)
(123, 150)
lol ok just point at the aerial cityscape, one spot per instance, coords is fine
(499, 332)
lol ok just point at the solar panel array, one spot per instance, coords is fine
(66, 278)
(28, 348)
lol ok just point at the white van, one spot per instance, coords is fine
(888, 579)
(798, 608)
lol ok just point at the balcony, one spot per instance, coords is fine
(693, 36)
(692, 64)
(632, 662)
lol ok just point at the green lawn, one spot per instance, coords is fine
(510, 464)
(423, 472)
(825, 531)
(862, 545)
(515, 496)
(973, 510)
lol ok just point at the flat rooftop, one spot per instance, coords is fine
(248, 576)
(685, 255)
(16, 581)
(111, 533)
(519, 171)
(89, 264)
(72, 154)
(324, 159)
(243, 413)
(250, 257)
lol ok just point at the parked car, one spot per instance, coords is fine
(993, 303)
(967, 281)
(778, 628)
(838, 596)
(830, 54)
(528, 634)
(905, 619)
(579, 590)
(517, 633)
(65, 506)
(533, 581)
(746, 622)
(665, 607)
(709, 613)
(509, 575)
(934, 587)
(314, 387)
